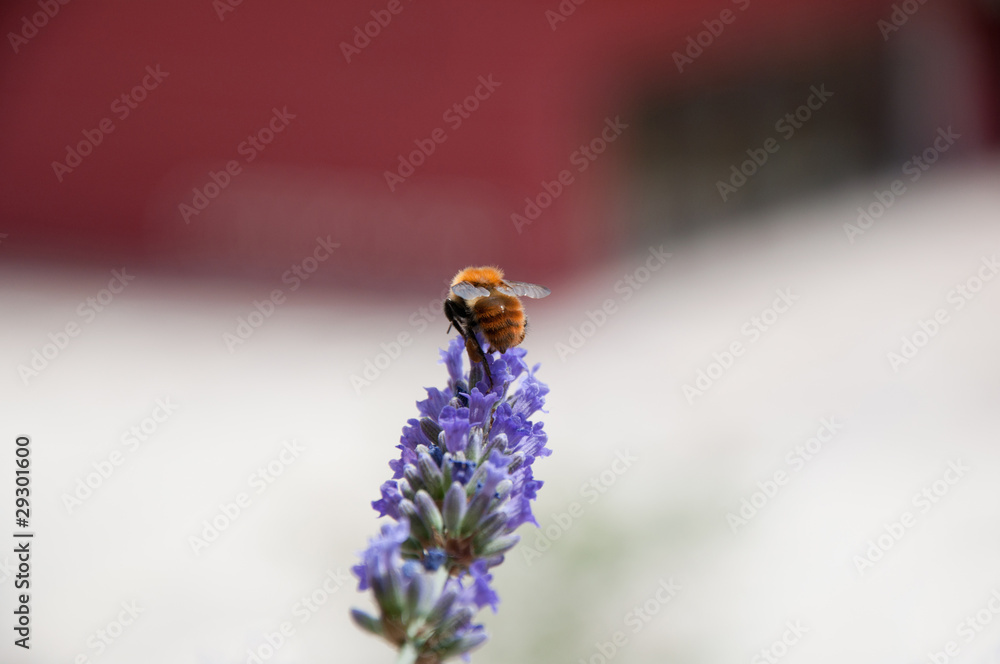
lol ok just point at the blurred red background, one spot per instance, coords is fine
(560, 77)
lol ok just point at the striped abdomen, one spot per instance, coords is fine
(501, 318)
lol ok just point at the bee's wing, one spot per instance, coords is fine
(523, 289)
(468, 291)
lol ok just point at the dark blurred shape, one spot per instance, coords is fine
(863, 103)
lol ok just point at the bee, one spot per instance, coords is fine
(481, 300)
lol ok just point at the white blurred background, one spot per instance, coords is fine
(664, 518)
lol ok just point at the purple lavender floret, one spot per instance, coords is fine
(510, 410)
(427, 615)
(463, 483)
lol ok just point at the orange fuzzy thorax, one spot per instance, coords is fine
(490, 276)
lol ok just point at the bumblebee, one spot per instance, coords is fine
(481, 300)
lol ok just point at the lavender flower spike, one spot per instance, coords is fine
(461, 486)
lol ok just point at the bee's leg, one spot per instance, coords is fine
(476, 354)
(453, 313)
(458, 317)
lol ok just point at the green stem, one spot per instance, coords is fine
(407, 654)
